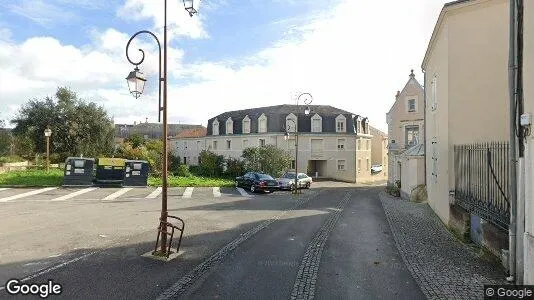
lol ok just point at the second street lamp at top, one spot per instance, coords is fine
(136, 84)
(47, 133)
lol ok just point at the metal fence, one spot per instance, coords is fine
(481, 181)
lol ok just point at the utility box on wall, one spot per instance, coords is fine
(78, 171)
(136, 173)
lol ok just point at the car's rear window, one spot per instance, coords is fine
(289, 175)
(264, 176)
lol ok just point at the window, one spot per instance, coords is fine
(215, 129)
(359, 142)
(366, 144)
(341, 165)
(214, 145)
(185, 160)
(246, 125)
(434, 93)
(229, 126)
(340, 123)
(199, 160)
(262, 142)
(198, 145)
(291, 123)
(359, 165)
(317, 123)
(411, 105)
(245, 144)
(368, 165)
(340, 144)
(293, 166)
(262, 123)
(411, 135)
(228, 145)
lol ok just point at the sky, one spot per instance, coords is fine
(232, 55)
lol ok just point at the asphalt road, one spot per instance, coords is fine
(329, 242)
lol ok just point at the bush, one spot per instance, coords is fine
(268, 159)
(234, 167)
(398, 184)
(211, 164)
(183, 171)
(10, 159)
(393, 191)
(195, 170)
(174, 164)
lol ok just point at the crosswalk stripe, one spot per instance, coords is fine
(216, 191)
(188, 192)
(155, 193)
(31, 193)
(118, 193)
(74, 194)
(243, 192)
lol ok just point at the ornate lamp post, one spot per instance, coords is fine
(47, 133)
(307, 99)
(136, 84)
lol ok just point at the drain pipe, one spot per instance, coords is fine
(512, 154)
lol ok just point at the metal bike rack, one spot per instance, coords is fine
(169, 230)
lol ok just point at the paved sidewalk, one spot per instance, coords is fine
(443, 267)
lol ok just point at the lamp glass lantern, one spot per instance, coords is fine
(48, 132)
(136, 82)
(191, 6)
(307, 111)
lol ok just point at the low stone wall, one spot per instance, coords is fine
(14, 166)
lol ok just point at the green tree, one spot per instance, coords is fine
(5, 139)
(234, 167)
(268, 159)
(136, 140)
(211, 164)
(78, 128)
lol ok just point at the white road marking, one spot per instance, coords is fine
(74, 194)
(31, 193)
(3, 189)
(188, 192)
(154, 194)
(243, 192)
(118, 193)
(216, 191)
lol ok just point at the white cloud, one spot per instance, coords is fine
(354, 57)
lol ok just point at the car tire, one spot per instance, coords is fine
(307, 185)
(252, 189)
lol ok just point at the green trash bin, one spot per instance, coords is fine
(136, 173)
(78, 171)
(110, 171)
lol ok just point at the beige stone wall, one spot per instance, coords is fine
(528, 89)
(412, 174)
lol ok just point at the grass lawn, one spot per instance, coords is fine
(32, 178)
(55, 178)
(193, 181)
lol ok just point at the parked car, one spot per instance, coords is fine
(376, 168)
(287, 181)
(257, 182)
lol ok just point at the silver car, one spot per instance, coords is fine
(287, 181)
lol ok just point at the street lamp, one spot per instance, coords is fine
(136, 84)
(47, 133)
(307, 99)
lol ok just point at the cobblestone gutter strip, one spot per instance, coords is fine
(304, 287)
(203, 269)
(443, 267)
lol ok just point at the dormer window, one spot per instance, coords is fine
(365, 126)
(246, 124)
(229, 126)
(215, 127)
(340, 123)
(291, 123)
(358, 125)
(316, 123)
(411, 105)
(262, 123)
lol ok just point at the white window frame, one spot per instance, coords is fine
(341, 119)
(316, 123)
(264, 142)
(214, 145)
(359, 144)
(262, 120)
(408, 105)
(367, 144)
(228, 144)
(341, 144)
(215, 127)
(230, 123)
(359, 166)
(341, 165)
(434, 93)
(291, 123)
(368, 164)
(246, 124)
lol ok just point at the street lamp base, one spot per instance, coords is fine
(173, 255)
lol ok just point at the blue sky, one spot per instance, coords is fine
(232, 55)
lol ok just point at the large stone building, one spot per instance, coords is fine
(332, 143)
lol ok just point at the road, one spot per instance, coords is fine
(331, 242)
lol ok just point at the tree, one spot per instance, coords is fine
(211, 164)
(136, 140)
(78, 128)
(5, 139)
(268, 159)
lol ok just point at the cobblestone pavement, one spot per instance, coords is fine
(443, 267)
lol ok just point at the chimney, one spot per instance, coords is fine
(397, 95)
(146, 120)
(135, 123)
(412, 74)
